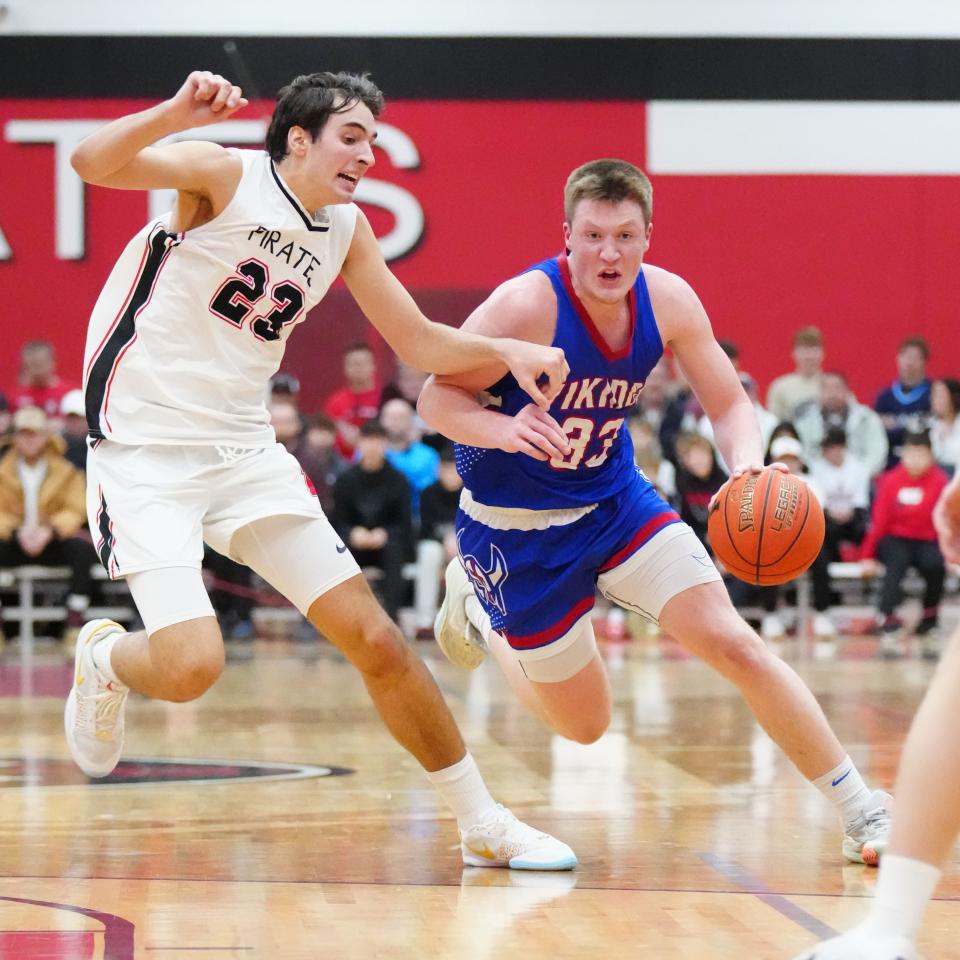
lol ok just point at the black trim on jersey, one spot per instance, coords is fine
(105, 546)
(308, 221)
(159, 245)
(535, 68)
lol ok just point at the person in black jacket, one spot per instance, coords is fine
(372, 513)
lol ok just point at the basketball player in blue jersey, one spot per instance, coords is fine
(553, 506)
(182, 342)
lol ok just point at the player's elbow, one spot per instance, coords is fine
(82, 163)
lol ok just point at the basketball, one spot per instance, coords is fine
(765, 528)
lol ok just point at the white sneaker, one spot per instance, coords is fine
(823, 628)
(891, 645)
(93, 717)
(772, 628)
(865, 839)
(852, 946)
(460, 641)
(501, 840)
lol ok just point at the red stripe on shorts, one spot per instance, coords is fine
(651, 527)
(543, 637)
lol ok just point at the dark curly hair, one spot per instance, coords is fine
(310, 99)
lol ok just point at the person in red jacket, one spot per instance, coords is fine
(902, 535)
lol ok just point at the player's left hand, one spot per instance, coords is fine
(530, 363)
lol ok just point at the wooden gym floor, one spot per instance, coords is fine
(291, 826)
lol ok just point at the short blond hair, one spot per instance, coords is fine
(610, 180)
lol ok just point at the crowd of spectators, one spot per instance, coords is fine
(391, 489)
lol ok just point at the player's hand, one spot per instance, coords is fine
(946, 521)
(205, 98)
(534, 432)
(530, 363)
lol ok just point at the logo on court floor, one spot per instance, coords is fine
(488, 582)
(56, 772)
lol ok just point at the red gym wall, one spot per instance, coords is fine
(868, 259)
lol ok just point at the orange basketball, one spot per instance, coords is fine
(765, 528)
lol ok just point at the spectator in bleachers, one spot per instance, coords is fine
(945, 428)
(43, 510)
(371, 513)
(765, 419)
(358, 400)
(405, 384)
(317, 457)
(437, 543)
(732, 351)
(905, 404)
(648, 456)
(406, 451)
(838, 407)
(681, 414)
(699, 477)
(901, 535)
(789, 393)
(5, 416)
(38, 383)
(73, 415)
(842, 485)
(655, 395)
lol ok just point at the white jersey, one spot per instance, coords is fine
(190, 327)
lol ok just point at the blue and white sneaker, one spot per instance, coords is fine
(501, 840)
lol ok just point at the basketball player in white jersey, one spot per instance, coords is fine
(926, 820)
(188, 330)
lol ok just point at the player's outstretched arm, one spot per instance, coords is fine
(540, 370)
(120, 154)
(686, 329)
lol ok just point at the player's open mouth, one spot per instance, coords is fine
(610, 275)
(348, 178)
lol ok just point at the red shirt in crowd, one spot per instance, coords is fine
(903, 507)
(47, 398)
(355, 408)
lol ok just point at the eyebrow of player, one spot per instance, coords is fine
(360, 126)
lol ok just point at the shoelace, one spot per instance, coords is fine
(503, 821)
(106, 708)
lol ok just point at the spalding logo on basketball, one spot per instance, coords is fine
(765, 528)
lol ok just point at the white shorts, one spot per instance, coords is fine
(153, 506)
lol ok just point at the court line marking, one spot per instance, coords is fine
(750, 884)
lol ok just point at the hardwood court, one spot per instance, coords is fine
(696, 838)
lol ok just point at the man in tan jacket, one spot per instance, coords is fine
(42, 509)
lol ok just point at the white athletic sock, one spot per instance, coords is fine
(478, 617)
(904, 889)
(102, 651)
(464, 792)
(844, 788)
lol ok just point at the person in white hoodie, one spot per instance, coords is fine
(840, 481)
(838, 407)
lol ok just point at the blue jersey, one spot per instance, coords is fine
(592, 408)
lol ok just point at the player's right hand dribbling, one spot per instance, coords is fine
(534, 432)
(205, 98)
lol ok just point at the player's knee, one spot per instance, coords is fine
(742, 652)
(588, 729)
(382, 650)
(189, 657)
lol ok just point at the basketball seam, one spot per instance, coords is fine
(796, 536)
(762, 525)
